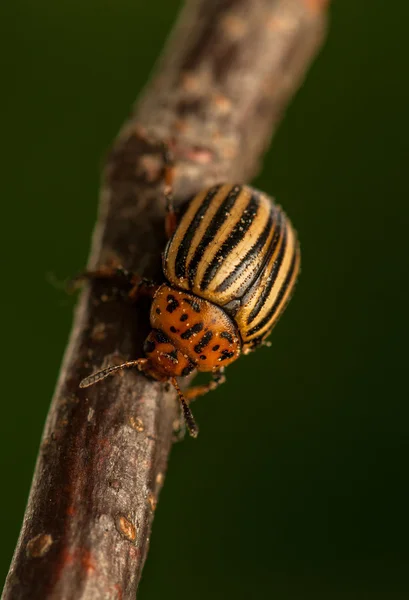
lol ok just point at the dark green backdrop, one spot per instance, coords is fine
(297, 486)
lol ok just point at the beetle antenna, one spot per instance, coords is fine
(187, 413)
(95, 377)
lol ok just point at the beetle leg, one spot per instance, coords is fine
(143, 287)
(137, 286)
(198, 390)
(119, 274)
(169, 177)
(187, 413)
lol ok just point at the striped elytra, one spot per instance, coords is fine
(230, 266)
(237, 249)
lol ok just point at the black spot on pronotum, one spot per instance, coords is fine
(202, 357)
(226, 354)
(195, 305)
(149, 346)
(227, 336)
(203, 342)
(197, 328)
(161, 338)
(216, 347)
(172, 303)
(173, 329)
(172, 356)
(184, 318)
(187, 370)
(158, 311)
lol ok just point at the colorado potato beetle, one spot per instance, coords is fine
(230, 265)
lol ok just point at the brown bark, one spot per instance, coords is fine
(226, 75)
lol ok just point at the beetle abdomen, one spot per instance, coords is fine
(236, 248)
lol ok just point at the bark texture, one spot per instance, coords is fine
(218, 93)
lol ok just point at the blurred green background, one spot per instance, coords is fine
(297, 486)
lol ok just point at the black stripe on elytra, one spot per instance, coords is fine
(270, 281)
(203, 342)
(217, 221)
(197, 328)
(184, 246)
(251, 254)
(273, 310)
(275, 268)
(236, 235)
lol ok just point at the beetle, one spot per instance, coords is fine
(230, 266)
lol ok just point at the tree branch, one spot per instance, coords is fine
(226, 75)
